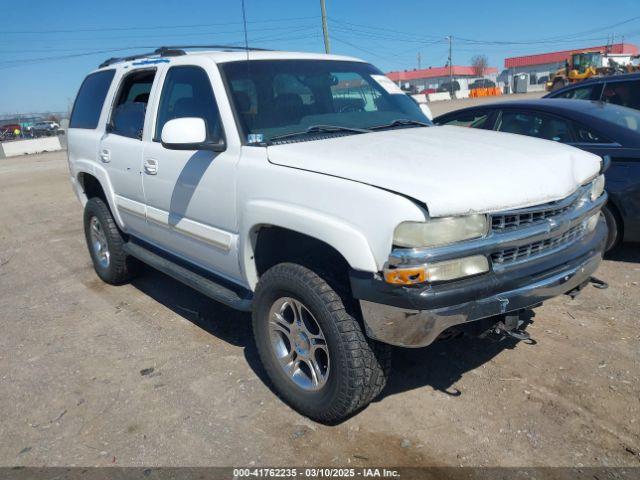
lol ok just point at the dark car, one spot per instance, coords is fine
(447, 86)
(482, 83)
(618, 89)
(600, 128)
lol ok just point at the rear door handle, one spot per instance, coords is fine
(105, 155)
(150, 166)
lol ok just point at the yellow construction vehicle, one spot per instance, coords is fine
(582, 65)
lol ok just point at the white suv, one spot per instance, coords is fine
(311, 191)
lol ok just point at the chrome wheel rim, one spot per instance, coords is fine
(299, 344)
(99, 242)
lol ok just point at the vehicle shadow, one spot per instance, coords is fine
(439, 366)
(627, 252)
(442, 364)
(225, 323)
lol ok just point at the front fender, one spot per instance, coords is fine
(337, 233)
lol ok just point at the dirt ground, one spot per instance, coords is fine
(72, 350)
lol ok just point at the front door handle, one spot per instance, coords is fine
(150, 166)
(105, 155)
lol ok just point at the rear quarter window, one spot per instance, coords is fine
(90, 99)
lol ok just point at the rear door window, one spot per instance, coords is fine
(534, 124)
(587, 135)
(90, 99)
(625, 93)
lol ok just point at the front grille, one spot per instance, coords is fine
(523, 252)
(511, 220)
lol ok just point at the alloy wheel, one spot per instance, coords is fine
(99, 242)
(299, 344)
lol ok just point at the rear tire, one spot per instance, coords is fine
(613, 237)
(351, 369)
(106, 244)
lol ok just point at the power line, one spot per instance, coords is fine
(374, 31)
(154, 27)
(30, 61)
(161, 35)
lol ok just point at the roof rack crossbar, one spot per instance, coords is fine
(111, 61)
(221, 47)
(173, 51)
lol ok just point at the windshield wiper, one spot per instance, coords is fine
(319, 128)
(401, 122)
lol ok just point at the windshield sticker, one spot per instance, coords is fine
(386, 83)
(255, 138)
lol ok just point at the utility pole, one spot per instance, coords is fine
(419, 61)
(450, 38)
(325, 30)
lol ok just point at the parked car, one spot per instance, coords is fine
(46, 128)
(447, 86)
(344, 223)
(482, 83)
(427, 91)
(9, 130)
(621, 89)
(600, 128)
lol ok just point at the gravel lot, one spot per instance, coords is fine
(440, 108)
(72, 350)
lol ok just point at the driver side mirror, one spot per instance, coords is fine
(189, 133)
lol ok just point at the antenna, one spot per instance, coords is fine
(244, 22)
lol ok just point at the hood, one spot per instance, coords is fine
(453, 170)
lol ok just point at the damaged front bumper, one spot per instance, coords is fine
(416, 316)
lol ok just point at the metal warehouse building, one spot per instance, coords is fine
(432, 77)
(542, 65)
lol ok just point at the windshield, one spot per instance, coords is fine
(625, 117)
(274, 98)
(584, 60)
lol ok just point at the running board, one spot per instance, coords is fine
(202, 284)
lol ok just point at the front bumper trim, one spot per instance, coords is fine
(419, 328)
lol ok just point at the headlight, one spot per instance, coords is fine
(440, 231)
(597, 187)
(437, 271)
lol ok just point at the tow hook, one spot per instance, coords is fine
(597, 283)
(511, 326)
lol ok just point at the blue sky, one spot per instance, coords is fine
(389, 34)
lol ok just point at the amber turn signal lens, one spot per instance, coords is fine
(405, 276)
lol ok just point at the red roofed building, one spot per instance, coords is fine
(434, 76)
(563, 55)
(542, 65)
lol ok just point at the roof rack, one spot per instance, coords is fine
(174, 51)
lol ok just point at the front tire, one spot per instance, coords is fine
(312, 348)
(106, 244)
(613, 237)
